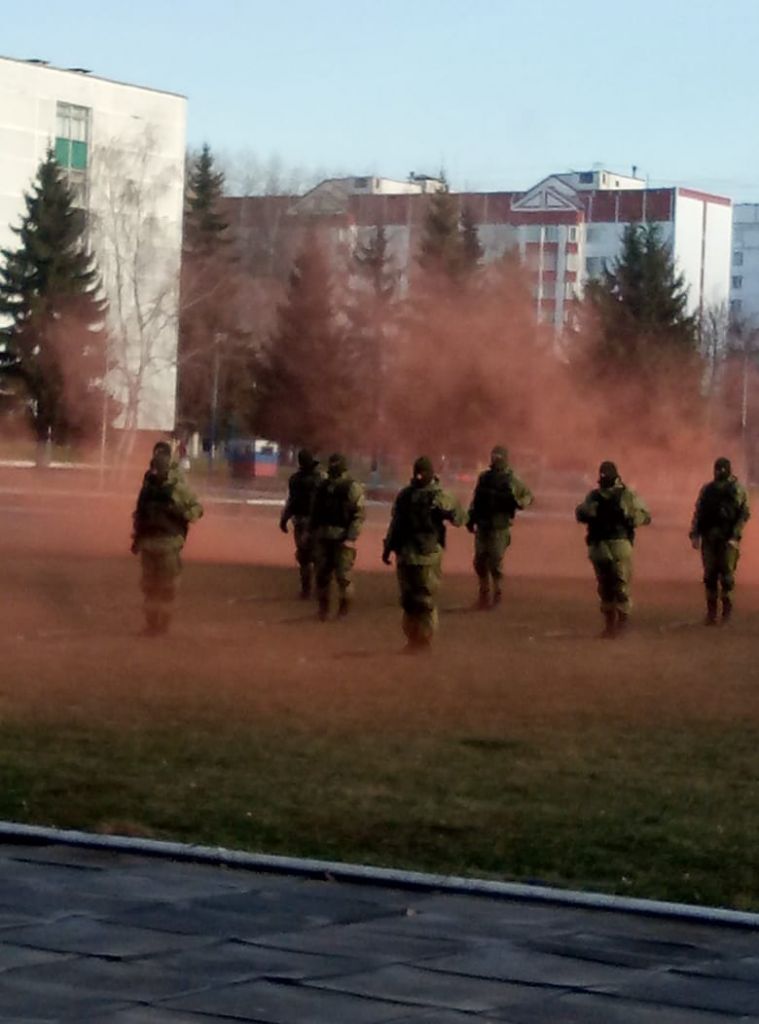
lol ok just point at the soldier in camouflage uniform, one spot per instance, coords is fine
(301, 489)
(612, 512)
(417, 537)
(165, 508)
(336, 519)
(498, 495)
(721, 512)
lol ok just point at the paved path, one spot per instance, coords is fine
(93, 937)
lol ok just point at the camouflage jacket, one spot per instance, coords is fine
(165, 508)
(301, 491)
(612, 513)
(498, 496)
(417, 523)
(338, 510)
(721, 511)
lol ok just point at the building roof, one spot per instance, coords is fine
(36, 63)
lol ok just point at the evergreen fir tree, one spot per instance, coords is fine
(374, 266)
(471, 247)
(640, 303)
(371, 319)
(49, 291)
(440, 248)
(450, 247)
(204, 223)
(212, 352)
(307, 377)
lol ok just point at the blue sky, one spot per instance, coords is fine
(499, 92)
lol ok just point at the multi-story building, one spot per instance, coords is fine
(744, 278)
(565, 228)
(122, 148)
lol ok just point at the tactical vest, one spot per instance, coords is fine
(494, 497)
(610, 521)
(156, 514)
(718, 508)
(332, 504)
(302, 489)
(420, 521)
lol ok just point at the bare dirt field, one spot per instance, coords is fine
(522, 747)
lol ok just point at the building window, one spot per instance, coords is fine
(737, 282)
(572, 235)
(72, 136)
(737, 259)
(593, 266)
(551, 233)
(591, 234)
(735, 306)
(586, 177)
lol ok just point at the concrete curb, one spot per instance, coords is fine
(11, 832)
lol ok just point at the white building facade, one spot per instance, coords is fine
(744, 278)
(122, 148)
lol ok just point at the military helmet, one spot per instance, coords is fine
(423, 470)
(607, 473)
(306, 459)
(337, 464)
(162, 448)
(499, 456)
(722, 468)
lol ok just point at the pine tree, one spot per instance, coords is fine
(440, 247)
(471, 247)
(640, 304)
(450, 247)
(204, 223)
(49, 291)
(213, 356)
(371, 319)
(307, 377)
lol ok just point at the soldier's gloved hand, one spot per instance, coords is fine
(471, 526)
(695, 542)
(283, 525)
(386, 553)
(733, 543)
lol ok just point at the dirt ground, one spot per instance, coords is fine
(73, 612)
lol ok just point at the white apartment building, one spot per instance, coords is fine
(744, 278)
(122, 148)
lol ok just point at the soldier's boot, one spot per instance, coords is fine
(483, 597)
(497, 596)
(610, 625)
(305, 583)
(727, 608)
(711, 611)
(344, 607)
(623, 621)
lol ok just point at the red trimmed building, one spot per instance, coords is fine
(565, 228)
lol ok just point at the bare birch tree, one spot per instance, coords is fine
(137, 205)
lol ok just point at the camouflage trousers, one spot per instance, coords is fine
(612, 563)
(333, 558)
(489, 548)
(304, 551)
(720, 560)
(160, 578)
(418, 586)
